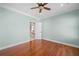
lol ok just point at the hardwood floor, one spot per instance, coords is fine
(40, 48)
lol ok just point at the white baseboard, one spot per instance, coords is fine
(12, 45)
(72, 45)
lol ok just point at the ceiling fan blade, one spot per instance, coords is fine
(40, 10)
(34, 7)
(39, 4)
(44, 4)
(47, 8)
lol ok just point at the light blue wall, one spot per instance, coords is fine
(63, 28)
(14, 27)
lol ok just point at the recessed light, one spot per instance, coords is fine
(61, 5)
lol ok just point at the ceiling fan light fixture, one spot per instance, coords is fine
(40, 7)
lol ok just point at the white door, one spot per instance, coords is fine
(38, 30)
(32, 30)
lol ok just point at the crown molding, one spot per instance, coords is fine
(17, 11)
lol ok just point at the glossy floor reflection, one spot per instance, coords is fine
(40, 48)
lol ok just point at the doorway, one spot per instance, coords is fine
(35, 30)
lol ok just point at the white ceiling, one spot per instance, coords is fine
(56, 8)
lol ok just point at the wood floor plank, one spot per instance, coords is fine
(40, 48)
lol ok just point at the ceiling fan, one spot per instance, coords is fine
(41, 6)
